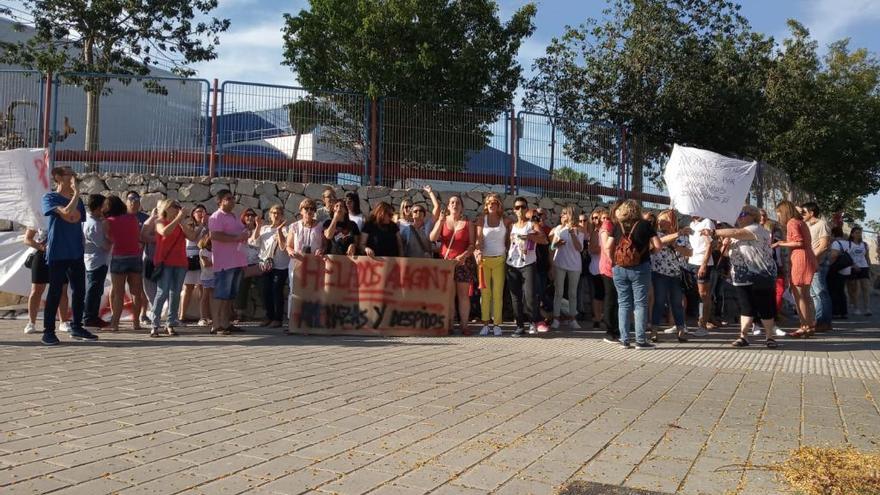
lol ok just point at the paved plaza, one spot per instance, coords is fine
(268, 414)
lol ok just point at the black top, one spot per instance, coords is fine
(347, 233)
(641, 237)
(382, 238)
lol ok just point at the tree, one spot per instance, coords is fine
(685, 71)
(115, 37)
(457, 55)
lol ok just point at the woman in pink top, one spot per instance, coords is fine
(126, 262)
(457, 236)
(609, 306)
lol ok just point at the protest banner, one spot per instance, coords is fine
(339, 295)
(24, 179)
(707, 184)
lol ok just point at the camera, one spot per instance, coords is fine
(307, 249)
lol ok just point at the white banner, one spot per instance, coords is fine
(707, 184)
(14, 277)
(24, 179)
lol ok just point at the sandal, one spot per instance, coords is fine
(740, 342)
(771, 344)
(154, 332)
(798, 334)
(170, 331)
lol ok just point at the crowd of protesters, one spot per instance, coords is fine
(634, 274)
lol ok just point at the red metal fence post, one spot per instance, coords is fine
(514, 149)
(212, 163)
(374, 140)
(624, 163)
(47, 111)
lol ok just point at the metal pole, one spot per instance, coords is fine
(47, 112)
(624, 162)
(514, 149)
(212, 164)
(374, 140)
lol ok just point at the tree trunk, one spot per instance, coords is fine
(93, 123)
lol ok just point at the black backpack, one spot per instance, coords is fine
(843, 261)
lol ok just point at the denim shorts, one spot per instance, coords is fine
(226, 283)
(126, 264)
(695, 269)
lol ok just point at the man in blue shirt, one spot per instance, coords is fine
(65, 253)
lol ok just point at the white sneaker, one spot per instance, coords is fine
(555, 324)
(484, 331)
(756, 330)
(65, 327)
(857, 312)
(496, 331)
(700, 332)
(532, 329)
(202, 323)
(30, 328)
(574, 325)
(779, 332)
(671, 330)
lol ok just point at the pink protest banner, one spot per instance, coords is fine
(338, 295)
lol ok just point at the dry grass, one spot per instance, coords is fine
(832, 471)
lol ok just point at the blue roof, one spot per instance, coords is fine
(490, 160)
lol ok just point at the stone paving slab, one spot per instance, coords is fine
(266, 414)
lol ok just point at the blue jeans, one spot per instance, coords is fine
(273, 293)
(60, 273)
(820, 294)
(667, 291)
(632, 297)
(168, 289)
(94, 291)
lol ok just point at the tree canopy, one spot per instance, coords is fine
(452, 53)
(694, 72)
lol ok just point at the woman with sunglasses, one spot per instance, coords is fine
(490, 248)
(381, 236)
(752, 272)
(609, 307)
(170, 260)
(417, 243)
(457, 236)
(594, 245)
(524, 237)
(342, 235)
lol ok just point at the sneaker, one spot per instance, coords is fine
(65, 327)
(779, 332)
(97, 323)
(30, 328)
(543, 328)
(670, 330)
(145, 320)
(518, 332)
(532, 329)
(202, 323)
(83, 334)
(574, 325)
(484, 331)
(496, 331)
(625, 344)
(756, 330)
(50, 339)
(610, 340)
(555, 324)
(644, 346)
(700, 332)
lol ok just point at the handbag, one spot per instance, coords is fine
(158, 269)
(267, 263)
(29, 261)
(843, 261)
(688, 279)
(193, 263)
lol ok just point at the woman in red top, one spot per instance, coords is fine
(803, 264)
(170, 260)
(126, 262)
(456, 235)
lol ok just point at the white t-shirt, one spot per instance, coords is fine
(207, 272)
(306, 236)
(269, 247)
(859, 251)
(699, 243)
(522, 251)
(358, 219)
(565, 256)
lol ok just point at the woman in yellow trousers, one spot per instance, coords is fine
(491, 250)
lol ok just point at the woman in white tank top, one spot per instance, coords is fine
(491, 247)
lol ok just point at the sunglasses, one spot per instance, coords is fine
(520, 207)
(133, 198)
(251, 215)
(418, 210)
(309, 208)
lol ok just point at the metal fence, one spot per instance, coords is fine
(21, 108)
(173, 126)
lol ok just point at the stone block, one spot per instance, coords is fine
(150, 200)
(267, 188)
(117, 184)
(268, 200)
(92, 185)
(156, 185)
(293, 187)
(379, 192)
(193, 192)
(314, 191)
(219, 186)
(546, 203)
(293, 201)
(245, 187)
(248, 202)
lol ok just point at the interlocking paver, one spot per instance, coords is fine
(266, 414)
